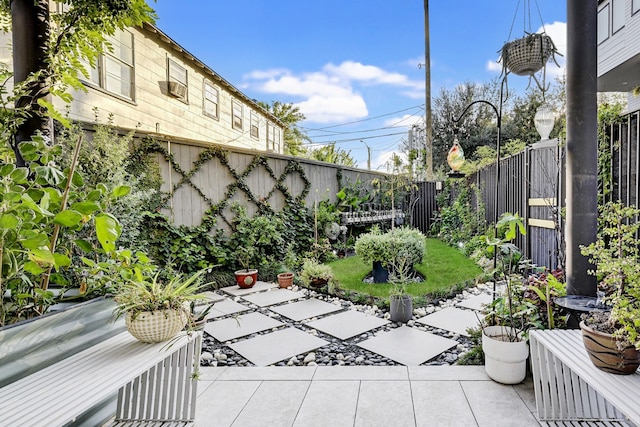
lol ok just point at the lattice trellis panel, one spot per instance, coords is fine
(202, 183)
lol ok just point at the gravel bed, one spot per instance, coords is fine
(344, 352)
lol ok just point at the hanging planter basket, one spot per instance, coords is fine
(527, 55)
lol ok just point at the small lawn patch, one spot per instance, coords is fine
(445, 270)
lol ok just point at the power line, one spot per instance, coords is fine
(363, 120)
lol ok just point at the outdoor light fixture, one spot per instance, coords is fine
(544, 121)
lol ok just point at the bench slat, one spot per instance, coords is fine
(595, 394)
(59, 393)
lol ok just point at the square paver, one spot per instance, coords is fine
(274, 296)
(306, 309)
(237, 291)
(407, 345)
(476, 302)
(271, 348)
(224, 308)
(209, 297)
(452, 319)
(347, 324)
(243, 325)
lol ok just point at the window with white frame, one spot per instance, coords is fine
(210, 100)
(635, 6)
(273, 138)
(255, 129)
(236, 117)
(177, 78)
(114, 69)
(603, 24)
(617, 15)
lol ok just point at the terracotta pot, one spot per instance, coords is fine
(285, 280)
(246, 278)
(604, 353)
(505, 361)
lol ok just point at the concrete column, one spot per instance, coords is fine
(582, 142)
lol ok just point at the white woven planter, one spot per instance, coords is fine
(156, 326)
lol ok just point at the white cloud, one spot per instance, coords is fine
(383, 161)
(331, 94)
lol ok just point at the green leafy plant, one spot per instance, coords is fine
(387, 248)
(616, 256)
(143, 293)
(313, 270)
(509, 309)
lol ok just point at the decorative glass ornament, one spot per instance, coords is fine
(455, 158)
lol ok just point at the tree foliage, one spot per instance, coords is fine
(290, 115)
(332, 154)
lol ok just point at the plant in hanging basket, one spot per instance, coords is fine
(527, 55)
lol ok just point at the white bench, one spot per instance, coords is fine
(153, 383)
(569, 389)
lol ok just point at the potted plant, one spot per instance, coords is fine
(612, 338)
(315, 274)
(246, 277)
(155, 310)
(504, 336)
(400, 302)
(382, 249)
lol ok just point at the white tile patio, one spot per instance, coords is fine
(240, 326)
(273, 296)
(407, 345)
(225, 308)
(476, 302)
(452, 319)
(237, 291)
(347, 324)
(306, 309)
(273, 347)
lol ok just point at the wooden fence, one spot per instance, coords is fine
(198, 177)
(624, 143)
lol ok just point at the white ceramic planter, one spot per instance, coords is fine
(505, 362)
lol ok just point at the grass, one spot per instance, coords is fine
(445, 269)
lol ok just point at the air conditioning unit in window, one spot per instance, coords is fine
(177, 89)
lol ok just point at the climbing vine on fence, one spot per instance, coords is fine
(239, 180)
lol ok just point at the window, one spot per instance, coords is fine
(603, 24)
(210, 101)
(635, 6)
(114, 70)
(236, 119)
(273, 138)
(254, 125)
(177, 78)
(617, 18)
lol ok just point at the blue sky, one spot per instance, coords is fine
(352, 65)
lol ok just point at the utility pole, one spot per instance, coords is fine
(368, 154)
(427, 95)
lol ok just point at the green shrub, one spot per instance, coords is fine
(387, 248)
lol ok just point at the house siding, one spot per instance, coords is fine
(153, 109)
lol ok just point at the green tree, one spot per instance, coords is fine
(294, 137)
(49, 45)
(332, 154)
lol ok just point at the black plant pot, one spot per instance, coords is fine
(401, 308)
(380, 274)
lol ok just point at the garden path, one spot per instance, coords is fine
(267, 325)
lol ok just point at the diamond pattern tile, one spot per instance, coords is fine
(237, 291)
(271, 348)
(243, 325)
(226, 307)
(476, 302)
(306, 309)
(347, 324)
(274, 296)
(452, 319)
(408, 346)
